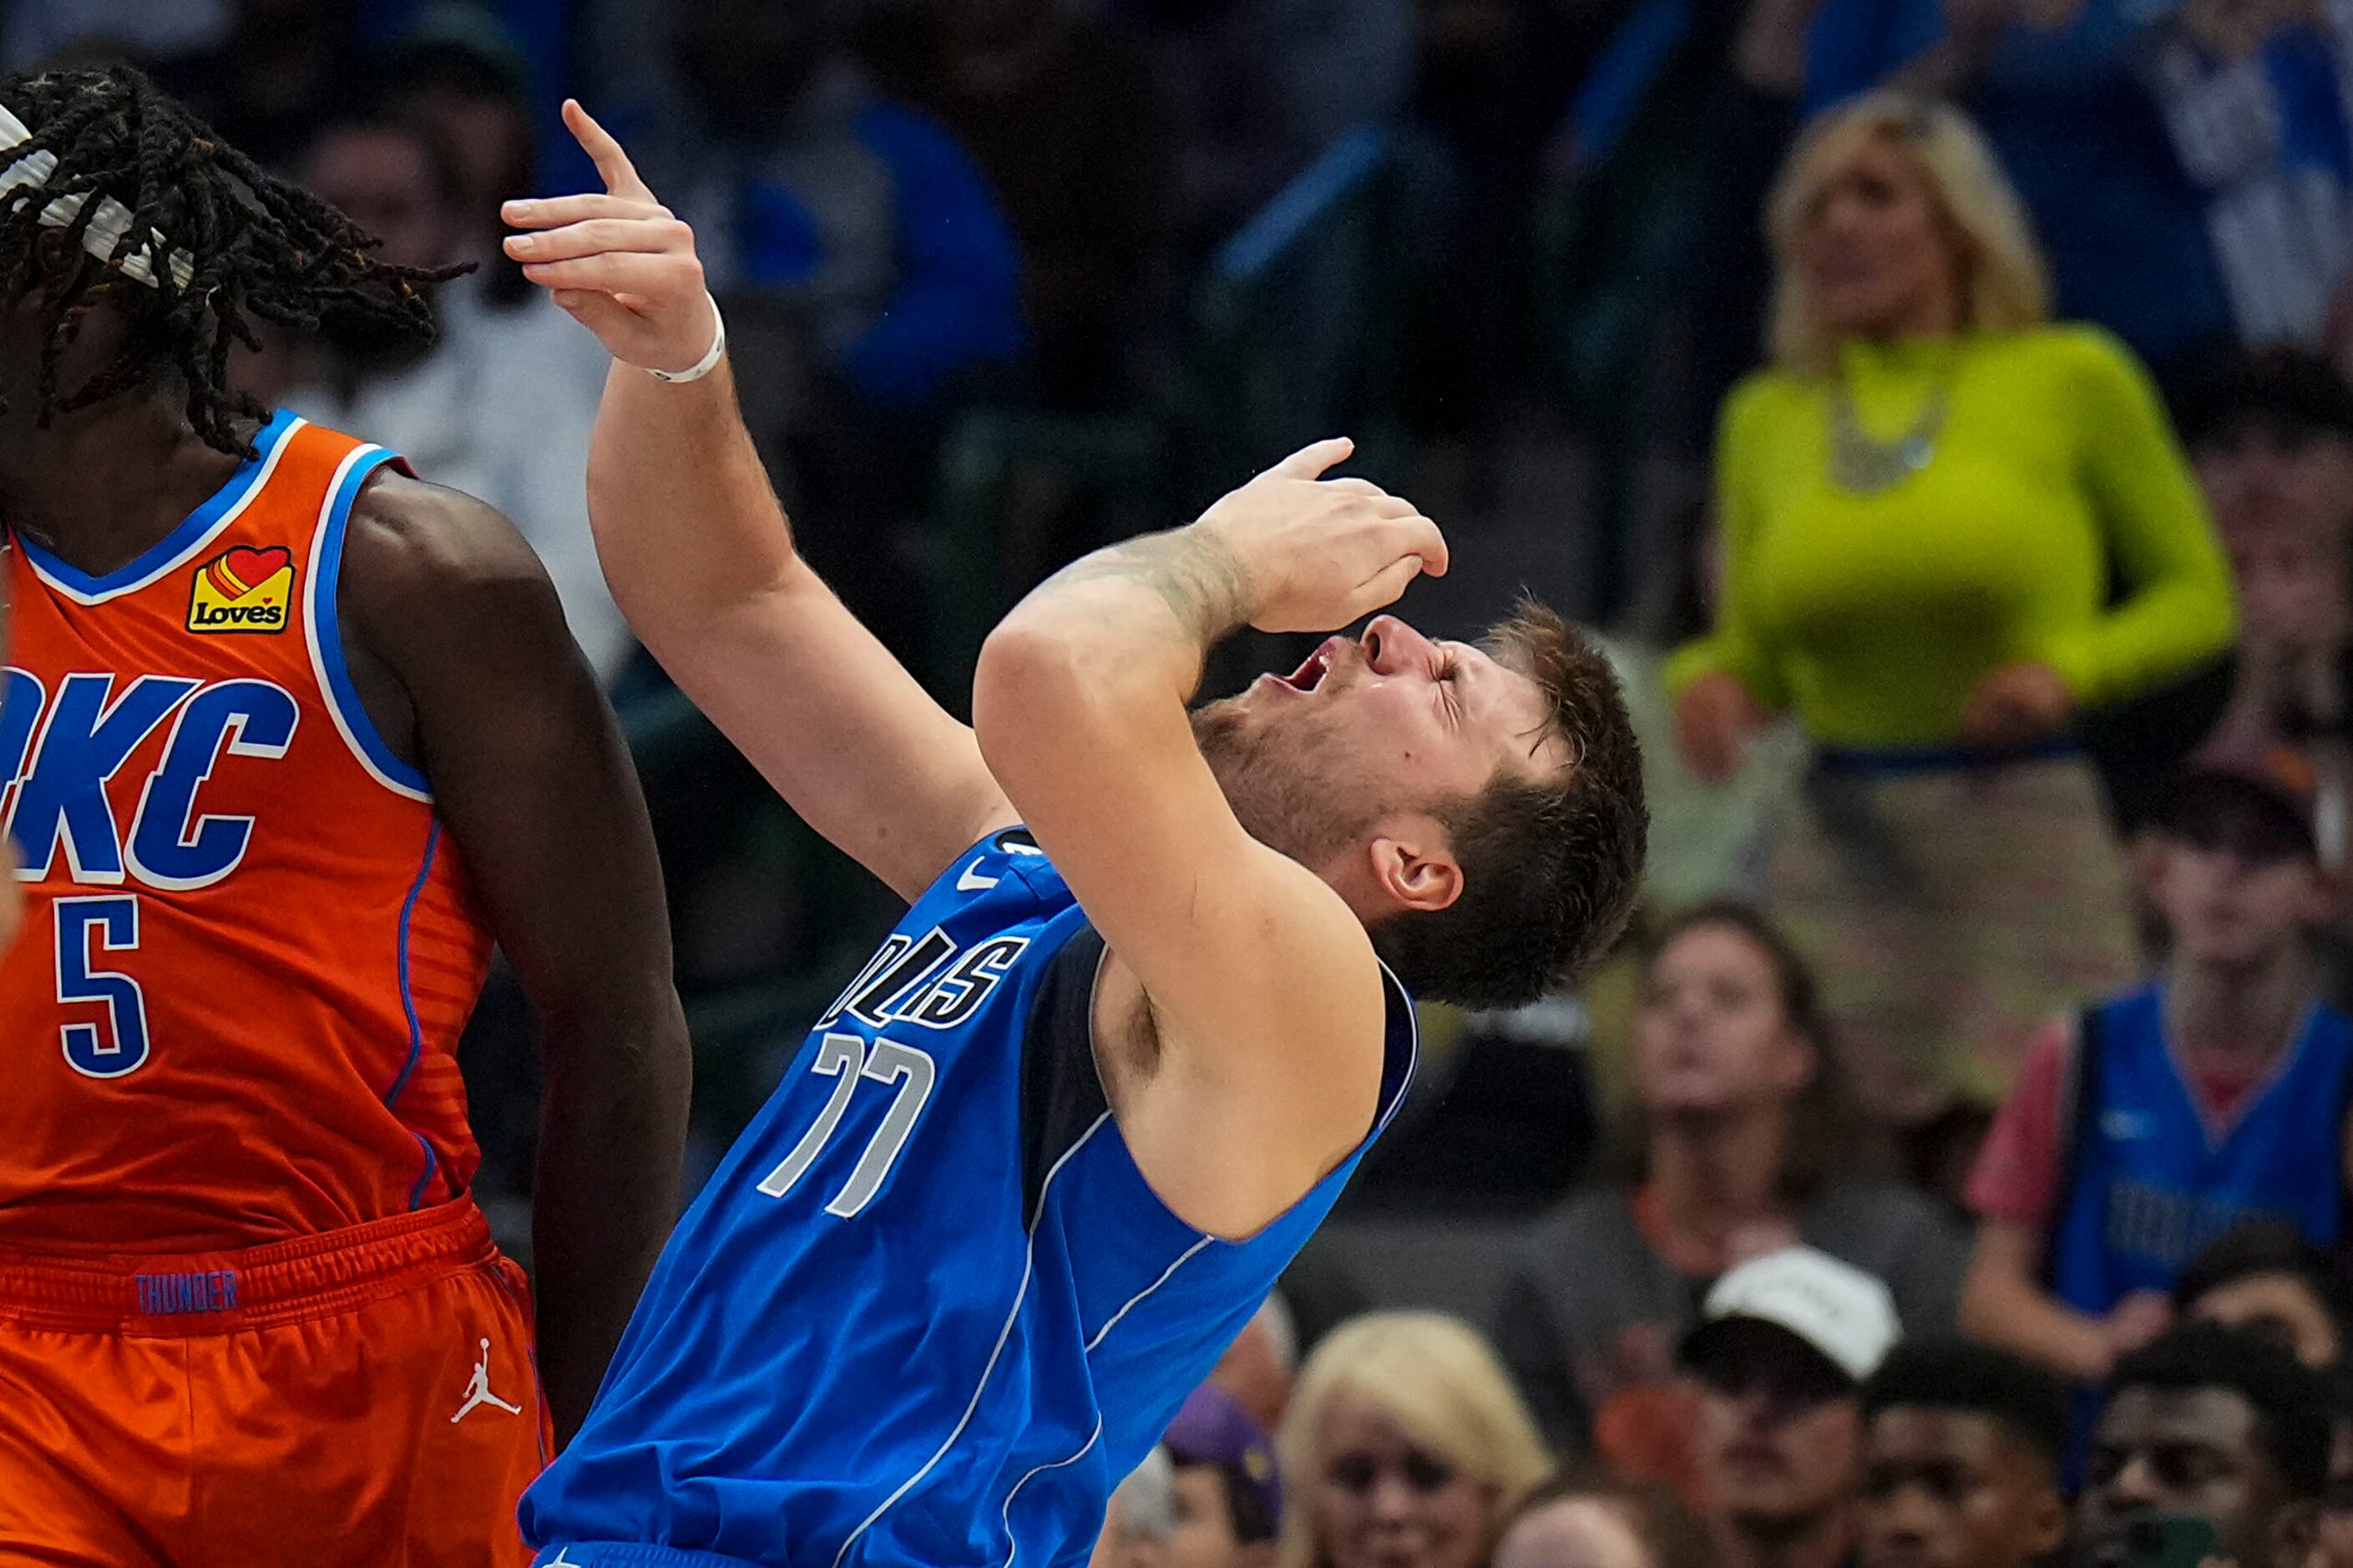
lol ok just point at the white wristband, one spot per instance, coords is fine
(709, 359)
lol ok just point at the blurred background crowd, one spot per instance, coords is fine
(1940, 406)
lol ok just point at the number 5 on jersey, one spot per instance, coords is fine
(87, 927)
(847, 1059)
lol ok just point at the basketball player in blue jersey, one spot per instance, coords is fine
(1045, 1155)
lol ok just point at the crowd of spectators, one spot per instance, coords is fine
(1819, 1432)
(1964, 1181)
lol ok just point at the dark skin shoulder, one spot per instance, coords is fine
(457, 644)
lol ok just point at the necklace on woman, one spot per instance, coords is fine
(1864, 465)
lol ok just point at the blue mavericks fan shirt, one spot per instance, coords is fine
(927, 1312)
(2150, 1182)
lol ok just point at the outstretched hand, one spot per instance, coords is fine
(1320, 552)
(620, 263)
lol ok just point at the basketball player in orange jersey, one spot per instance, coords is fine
(289, 739)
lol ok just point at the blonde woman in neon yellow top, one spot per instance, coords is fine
(1923, 503)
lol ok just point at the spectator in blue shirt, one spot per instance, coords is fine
(863, 217)
(1061, 113)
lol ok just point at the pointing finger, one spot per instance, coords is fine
(619, 175)
(1311, 460)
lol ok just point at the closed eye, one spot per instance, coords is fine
(1450, 665)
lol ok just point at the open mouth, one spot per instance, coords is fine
(1310, 675)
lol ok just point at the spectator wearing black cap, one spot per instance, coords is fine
(2216, 1425)
(2265, 1278)
(2161, 1119)
(1962, 1450)
(1227, 1497)
(1787, 1342)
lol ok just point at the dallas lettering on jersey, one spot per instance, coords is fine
(928, 982)
(58, 751)
(892, 989)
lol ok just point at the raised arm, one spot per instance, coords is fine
(1259, 982)
(701, 558)
(464, 660)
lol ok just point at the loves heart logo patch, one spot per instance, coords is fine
(243, 590)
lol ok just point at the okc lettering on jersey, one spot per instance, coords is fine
(58, 752)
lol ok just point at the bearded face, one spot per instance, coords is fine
(1368, 730)
(1292, 778)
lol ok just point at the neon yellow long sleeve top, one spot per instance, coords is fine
(1874, 617)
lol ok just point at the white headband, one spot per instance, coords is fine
(107, 226)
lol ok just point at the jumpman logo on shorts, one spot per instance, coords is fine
(478, 1392)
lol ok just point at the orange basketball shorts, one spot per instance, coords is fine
(363, 1397)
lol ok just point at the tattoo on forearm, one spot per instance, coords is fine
(1200, 580)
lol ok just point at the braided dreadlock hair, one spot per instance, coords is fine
(262, 249)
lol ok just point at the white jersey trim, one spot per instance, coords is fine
(1028, 1270)
(1166, 1275)
(321, 623)
(1012, 1542)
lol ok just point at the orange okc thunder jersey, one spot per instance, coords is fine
(249, 944)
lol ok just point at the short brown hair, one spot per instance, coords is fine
(1550, 870)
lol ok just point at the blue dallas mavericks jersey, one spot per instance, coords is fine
(926, 1312)
(2148, 1182)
